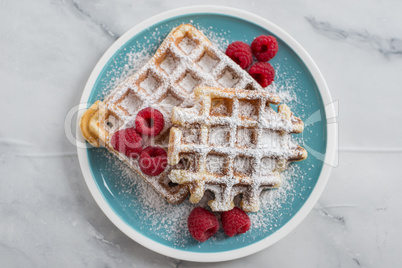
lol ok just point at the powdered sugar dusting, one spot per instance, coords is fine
(219, 38)
(219, 136)
(131, 103)
(134, 59)
(215, 163)
(268, 165)
(242, 164)
(207, 62)
(169, 102)
(169, 64)
(244, 137)
(163, 219)
(273, 141)
(247, 109)
(286, 87)
(286, 95)
(218, 107)
(150, 84)
(274, 201)
(188, 82)
(170, 221)
(166, 220)
(187, 45)
(191, 135)
(228, 80)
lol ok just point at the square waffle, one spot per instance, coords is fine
(186, 59)
(230, 143)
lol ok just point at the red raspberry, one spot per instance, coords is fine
(127, 141)
(235, 221)
(149, 122)
(264, 47)
(240, 53)
(202, 224)
(263, 73)
(153, 160)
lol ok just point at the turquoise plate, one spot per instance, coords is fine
(297, 76)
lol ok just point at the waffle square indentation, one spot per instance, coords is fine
(150, 84)
(246, 137)
(216, 163)
(191, 135)
(169, 64)
(248, 109)
(219, 136)
(130, 103)
(270, 139)
(207, 62)
(221, 107)
(187, 45)
(189, 82)
(112, 123)
(267, 166)
(228, 78)
(169, 100)
(242, 165)
(187, 162)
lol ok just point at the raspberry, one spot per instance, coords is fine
(153, 160)
(264, 47)
(149, 122)
(263, 73)
(240, 53)
(128, 142)
(202, 224)
(235, 221)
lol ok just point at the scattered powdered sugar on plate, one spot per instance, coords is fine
(272, 201)
(286, 95)
(166, 220)
(219, 38)
(134, 58)
(170, 221)
(286, 87)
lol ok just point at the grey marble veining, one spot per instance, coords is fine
(87, 14)
(48, 49)
(386, 46)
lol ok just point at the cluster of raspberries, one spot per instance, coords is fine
(203, 224)
(264, 48)
(134, 142)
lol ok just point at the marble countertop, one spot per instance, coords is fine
(48, 49)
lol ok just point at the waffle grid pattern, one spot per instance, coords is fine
(186, 59)
(171, 76)
(206, 162)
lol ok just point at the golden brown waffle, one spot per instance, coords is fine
(185, 59)
(232, 142)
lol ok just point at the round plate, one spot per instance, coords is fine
(295, 70)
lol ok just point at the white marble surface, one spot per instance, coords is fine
(48, 217)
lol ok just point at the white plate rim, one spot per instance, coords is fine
(294, 221)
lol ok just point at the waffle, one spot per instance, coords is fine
(185, 59)
(230, 143)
